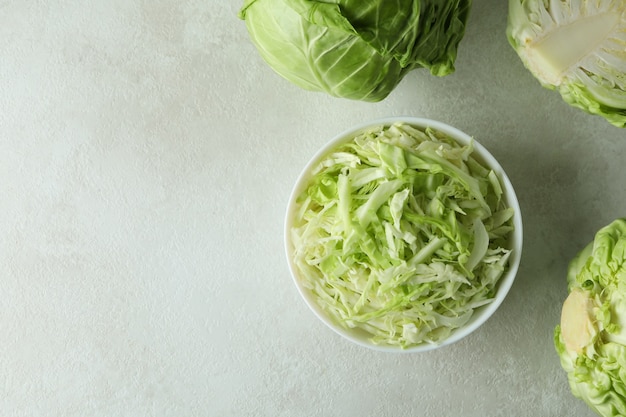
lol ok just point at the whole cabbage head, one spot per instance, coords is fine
(356, 49)
(591, 338)
(577, 47)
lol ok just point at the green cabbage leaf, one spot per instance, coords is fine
(591, 338)
(401, 233)
(355, 49)
(577, 47)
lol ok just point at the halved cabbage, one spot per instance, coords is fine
(577, 47)
(591, 338)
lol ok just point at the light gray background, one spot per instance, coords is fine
(146, 157)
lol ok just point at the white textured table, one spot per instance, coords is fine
(146, 158)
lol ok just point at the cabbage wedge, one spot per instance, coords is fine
(577, 47)
(591, 338)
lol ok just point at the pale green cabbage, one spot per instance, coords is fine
(356, 49)
(577, 47)
(402, 233)
(591, 338)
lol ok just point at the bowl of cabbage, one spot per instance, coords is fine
(403, 234)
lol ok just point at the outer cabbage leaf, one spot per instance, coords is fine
(591, 338)
(577, 47)
(356, 49)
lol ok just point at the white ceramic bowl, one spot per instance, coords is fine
(481, 314)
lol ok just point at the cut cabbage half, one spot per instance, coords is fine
(577, 47)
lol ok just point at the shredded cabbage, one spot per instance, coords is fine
(402, 233)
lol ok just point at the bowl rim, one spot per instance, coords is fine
(480, 315)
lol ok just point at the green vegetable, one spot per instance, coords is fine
(577, 47)
(402, 233)
(355, 49)
(591, 338)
